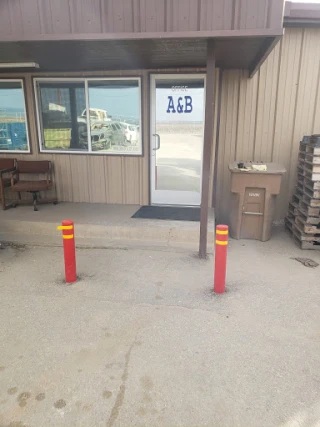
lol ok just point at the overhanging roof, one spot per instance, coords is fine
(175, 52)
(69, 35)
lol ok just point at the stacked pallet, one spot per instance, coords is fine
(303, 218)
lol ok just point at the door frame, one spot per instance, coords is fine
(167, 197)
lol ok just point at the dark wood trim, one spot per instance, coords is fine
(215, 170)
(74, 116)
(270, 32)
(266, 48)
(207, 147)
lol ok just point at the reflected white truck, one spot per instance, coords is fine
(131, 132)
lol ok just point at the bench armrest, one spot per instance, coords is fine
(16, 172)
(3, 171)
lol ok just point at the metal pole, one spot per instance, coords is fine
(207, 147)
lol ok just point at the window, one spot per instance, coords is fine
(13, 121)
(63, 118)
(89, 115)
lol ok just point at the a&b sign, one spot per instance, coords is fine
(180, 104)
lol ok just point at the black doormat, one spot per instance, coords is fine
(168, 212)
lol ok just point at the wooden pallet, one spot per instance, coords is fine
(293, 208)
(312, 149)
(314, 220)
(295, 200)
(299, 192)
(310, 201)
(315, 246)
(302, 157)
(298, 232)
(308, 174)
(306, 227)
(307, 188)
(309, 210)
(314, 185)
(314, 194)
(291, 217)
(288, 222)
(300, 184)
(312, 167)
(311, 158)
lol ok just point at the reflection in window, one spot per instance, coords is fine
(114, 107)
(13, 122)
(108, 110)
(63, 114)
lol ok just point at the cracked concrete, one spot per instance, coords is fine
(141, 340)
(120, 396)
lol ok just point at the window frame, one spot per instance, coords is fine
(86, 81)
(28, 151)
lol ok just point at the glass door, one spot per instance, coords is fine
(177, 124)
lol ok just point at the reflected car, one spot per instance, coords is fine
(96, 114)
(102, 138)
(118, 135)
(130, 131)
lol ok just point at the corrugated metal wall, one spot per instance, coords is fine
(25, 18)
(264, 118)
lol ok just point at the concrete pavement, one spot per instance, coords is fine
(141, 341)
(99, 224)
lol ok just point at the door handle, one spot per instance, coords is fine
(253, 213)
(158, 141)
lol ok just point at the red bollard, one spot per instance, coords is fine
(67, 228)
(220, 266)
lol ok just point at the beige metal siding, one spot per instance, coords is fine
(264, 118)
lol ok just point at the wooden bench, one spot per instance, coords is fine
(6, 166)
(38, 168)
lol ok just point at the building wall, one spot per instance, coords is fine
(94, 178)
(264, 118)
(99, 178)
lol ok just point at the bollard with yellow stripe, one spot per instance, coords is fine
(67, 229)
(222, 233)
(220, 263)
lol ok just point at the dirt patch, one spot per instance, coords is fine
(16, 246)
(146, 383)
(23, 398)
(60, 404)
(40, 396)
(12, 390)
(106, 394)
(17, 424)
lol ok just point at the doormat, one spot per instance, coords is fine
(168, 213)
